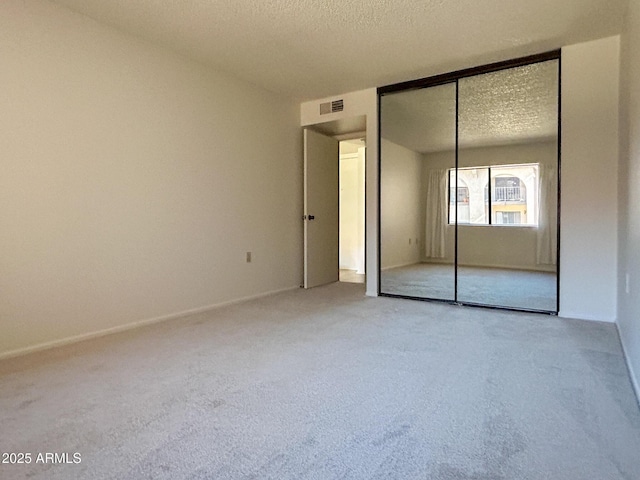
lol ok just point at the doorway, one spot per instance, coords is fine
(334, 202)
(352, 161)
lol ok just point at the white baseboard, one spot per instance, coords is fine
(400, 265)
(582, 316)
(635, 381)
(520, 268)
(525, 268)
(130, 326)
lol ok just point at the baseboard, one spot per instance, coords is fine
(581, 316)
(400, 265)
(635, 382)
(137, 324)
(354, 270)
(523, 268)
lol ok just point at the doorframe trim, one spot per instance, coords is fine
(451, 77)
(340, 137)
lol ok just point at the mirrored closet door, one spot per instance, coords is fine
(469, 186)
(417, 244)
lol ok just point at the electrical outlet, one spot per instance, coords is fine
(248, 257)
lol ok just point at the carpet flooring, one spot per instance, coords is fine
(523, 289)
(329, 384)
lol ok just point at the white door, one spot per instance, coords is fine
(321, 209)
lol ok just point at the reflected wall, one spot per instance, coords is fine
(413, 207)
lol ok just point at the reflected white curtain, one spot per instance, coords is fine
(436, 214)
(546, 244)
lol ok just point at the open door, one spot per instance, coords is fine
(321, 209)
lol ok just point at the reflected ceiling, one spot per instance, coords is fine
(519, 105)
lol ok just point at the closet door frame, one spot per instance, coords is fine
(454, 77)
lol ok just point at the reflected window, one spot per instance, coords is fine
(462, 197)
(509, 189)
(473, 210)
(508, 218)
(512, 200)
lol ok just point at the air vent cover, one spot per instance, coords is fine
(332, 107)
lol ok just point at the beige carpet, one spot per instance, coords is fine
(330, 384)
(500, 287)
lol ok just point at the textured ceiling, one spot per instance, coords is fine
(420, 120)
(510, 106)
(517, 105)
(308, 49)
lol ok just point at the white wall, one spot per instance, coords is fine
(133, 181)
(629, 233)
(589, 177)
(363, 102)
(400, 213)
(352, 211)
(589, 214)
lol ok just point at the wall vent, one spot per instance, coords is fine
(332, 107)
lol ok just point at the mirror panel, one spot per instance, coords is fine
(469, 187)
(507, 162)
(417, 152)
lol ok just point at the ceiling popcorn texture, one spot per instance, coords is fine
(307, 49)
(510, 106)
(516, 105)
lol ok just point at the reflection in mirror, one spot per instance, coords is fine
(469, 189)
(507, 159)
(417, 152)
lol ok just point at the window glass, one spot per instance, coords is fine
(512, 200)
